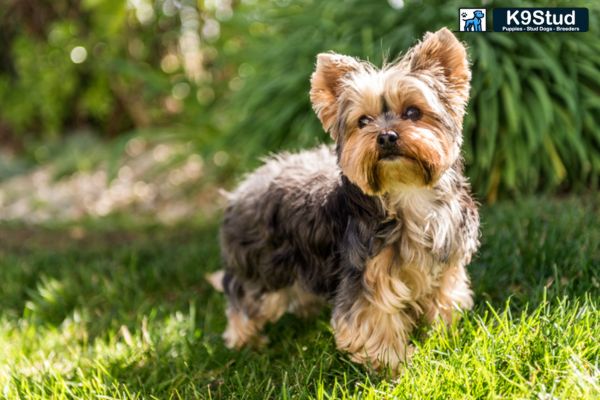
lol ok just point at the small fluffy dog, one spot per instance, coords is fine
(381, 227)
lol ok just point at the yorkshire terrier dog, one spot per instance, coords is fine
(381, 226)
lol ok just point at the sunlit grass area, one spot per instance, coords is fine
(111, 309)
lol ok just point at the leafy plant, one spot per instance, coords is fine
(532, 124)
(108, 65)
(533, 121)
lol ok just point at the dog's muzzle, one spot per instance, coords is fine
(387, 143)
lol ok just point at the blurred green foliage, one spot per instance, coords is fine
(533, 120)
(109, 65)
(236, 74)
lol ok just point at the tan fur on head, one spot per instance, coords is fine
(326, 84)
(433, 76)
(357, 161)
(442, 50)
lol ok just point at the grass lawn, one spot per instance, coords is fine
(109, 310)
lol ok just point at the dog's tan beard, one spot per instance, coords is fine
(401, 171)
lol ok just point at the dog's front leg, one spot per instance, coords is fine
(372, 337)
(451, 297)
(372, 318)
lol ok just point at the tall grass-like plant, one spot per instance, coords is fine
(534, 117)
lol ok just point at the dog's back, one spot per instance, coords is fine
(271, 215)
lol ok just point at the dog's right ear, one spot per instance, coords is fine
(326, 85)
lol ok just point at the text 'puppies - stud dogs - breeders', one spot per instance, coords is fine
(381, 225)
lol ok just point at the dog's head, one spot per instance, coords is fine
(399, 125)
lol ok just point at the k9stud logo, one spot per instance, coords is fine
(472, 19)
(541, 19)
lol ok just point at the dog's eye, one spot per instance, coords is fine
(413, 113)
(364, 121)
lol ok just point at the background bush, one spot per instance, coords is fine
(533, 121)
(145, 64)
(236, 75)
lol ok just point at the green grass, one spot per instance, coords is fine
(124, 312)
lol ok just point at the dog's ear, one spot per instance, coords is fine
(326, 85)
(443, 52)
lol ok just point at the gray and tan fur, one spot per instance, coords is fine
(381, 226)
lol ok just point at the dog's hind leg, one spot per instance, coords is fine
(248, 310)
(303, 303)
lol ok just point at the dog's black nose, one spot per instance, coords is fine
(387, 139)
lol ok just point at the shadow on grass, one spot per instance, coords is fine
(112, 275)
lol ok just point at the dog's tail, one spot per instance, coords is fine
(216, 279)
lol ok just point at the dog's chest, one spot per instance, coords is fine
(428, 228)
(409, 268)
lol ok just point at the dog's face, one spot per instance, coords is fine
(478, 14)
(401, 125)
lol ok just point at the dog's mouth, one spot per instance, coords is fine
(395, 154)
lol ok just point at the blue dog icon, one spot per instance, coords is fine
(474, 24)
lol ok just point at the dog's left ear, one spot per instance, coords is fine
(442, 50)
(326, 85)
